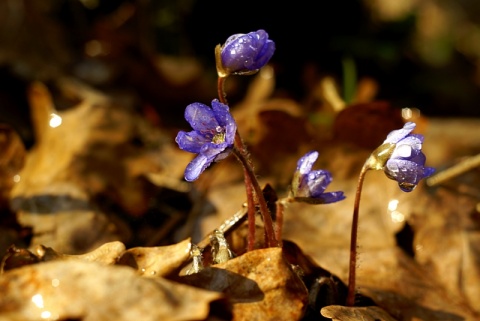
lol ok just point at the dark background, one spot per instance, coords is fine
(425, 56)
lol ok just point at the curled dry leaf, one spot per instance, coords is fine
(107, 254)
(157, 261)
(471, 269)
(260, 284)
(323, 287)
(406, 290)
(16, 257)
(447, 229)
(98, 149)
(447, 244)
(70, 231)
(88, 291)
(342, 313)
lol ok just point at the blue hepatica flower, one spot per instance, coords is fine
(246, 53)
(309, 185)
(212, 136)
(406, 164)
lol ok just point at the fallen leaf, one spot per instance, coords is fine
(342, 313)
(157, 261)
(366, 125)
(15, 258)
(61, 290)
(406, 290)
(446, 242)
(260, 284)
(89, 155)
(107, 254)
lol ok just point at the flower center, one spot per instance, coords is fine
(220, 136)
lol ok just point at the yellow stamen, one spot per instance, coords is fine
(218, 138)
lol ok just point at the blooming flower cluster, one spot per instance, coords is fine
(406, 164)
(212, 136)
(309, 185)
(214, 128)
(215, 136)
(246, 53)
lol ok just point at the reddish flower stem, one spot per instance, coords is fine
(254, 192)
(221, 90)
(353, 239)
(257, 191)
(250, 213)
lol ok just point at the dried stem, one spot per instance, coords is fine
(457, 169)
(353, 238)
(279, 221)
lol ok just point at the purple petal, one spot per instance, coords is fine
(428, 171)
(414, 140)
(237, 52)
(406, 163)
(418, 137)
(225, 119)
(409, 148)
(318, 181)
(191, 142)
(197, 166)
(247, 52)
(230, 131)
(201, 118)
(266, 49)
(212, 150)
(419, 158)
(209, 152)
(403, 151)
(221, 113)
(304, 164)
(264, 55)
(404, 171)
(232, 38)
(332, 197)
(261, 36)
(395, 136)
(224, 154)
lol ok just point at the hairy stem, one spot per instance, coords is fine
(260, 199)
(254, 192)
(353, 238)
(222, 96)
(250, 213)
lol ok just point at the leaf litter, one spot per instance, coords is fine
(77, 253)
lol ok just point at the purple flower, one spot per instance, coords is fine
(406, 164)
(309, 186)
(245, 53)
(211, 138)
